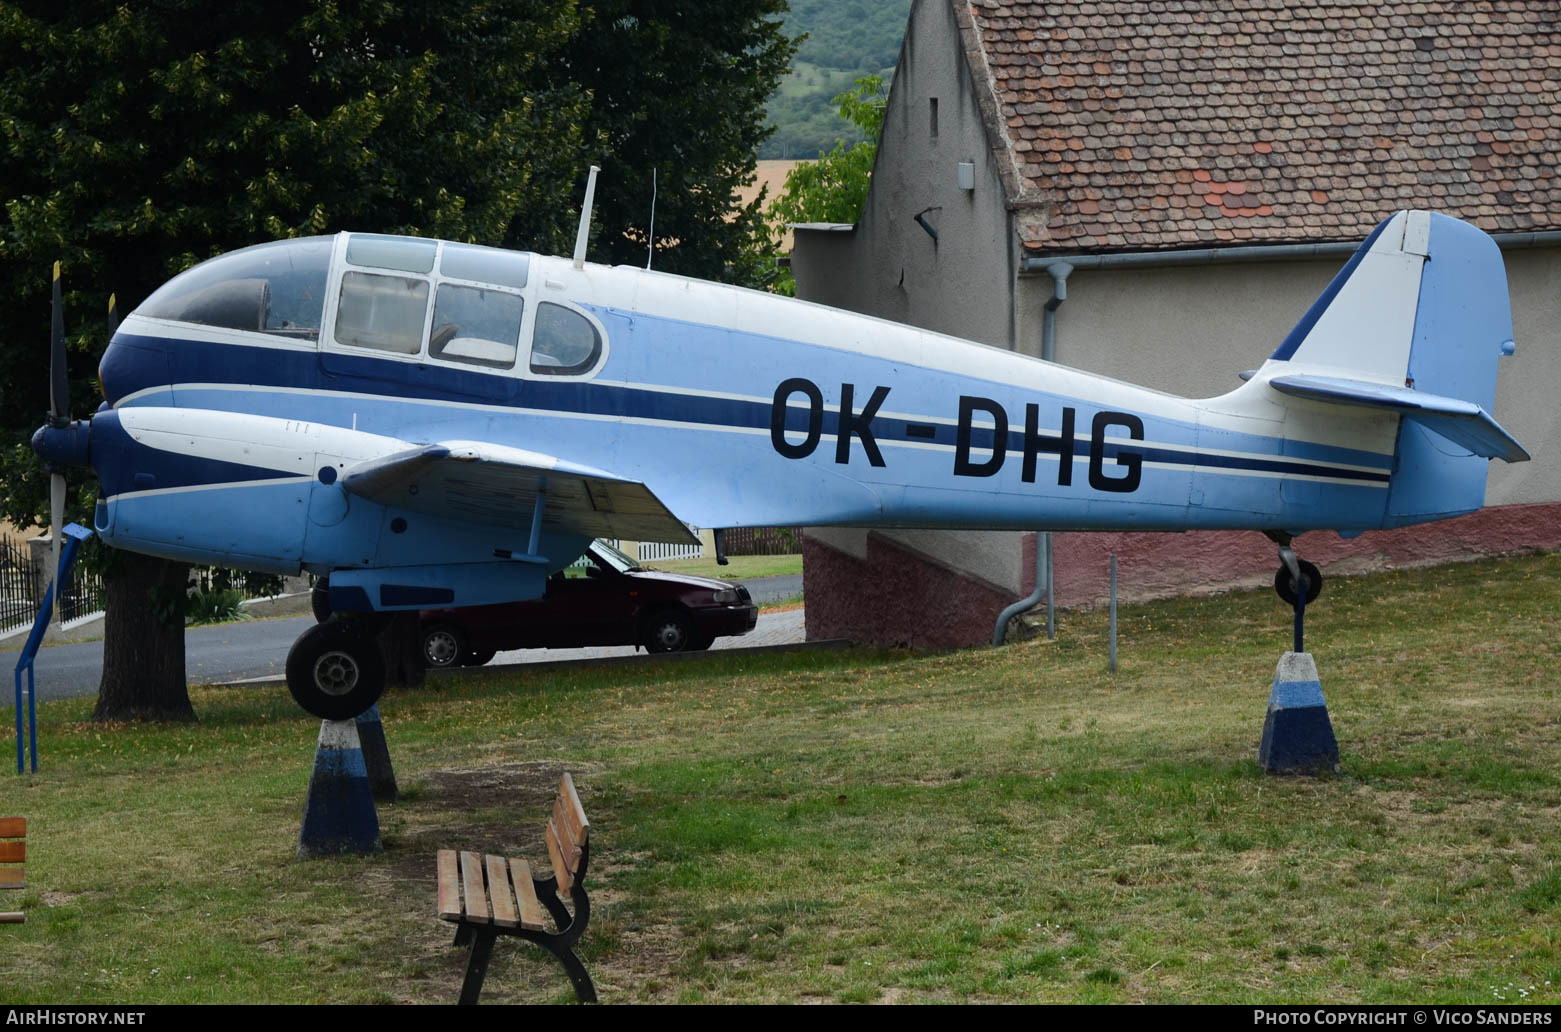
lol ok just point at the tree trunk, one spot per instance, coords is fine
(403, 652)
(143, 641)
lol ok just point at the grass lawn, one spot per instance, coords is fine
(737, 568)
(863, 825)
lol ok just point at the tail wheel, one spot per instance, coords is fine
(335, 670)
(1285, 585)
(667, 631)
(443, 646)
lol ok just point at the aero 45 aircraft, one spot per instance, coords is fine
(434, 424)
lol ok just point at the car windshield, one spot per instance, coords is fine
(614, 558)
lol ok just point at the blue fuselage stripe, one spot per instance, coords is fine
(136, 364)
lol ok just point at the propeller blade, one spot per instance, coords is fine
(113, 315)
(59, 389)
(57, 532)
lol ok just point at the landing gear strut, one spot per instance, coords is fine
(336, 670)
(1298, 582)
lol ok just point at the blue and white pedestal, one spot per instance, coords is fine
(339, 816)
(376, 756)
(1297, 734)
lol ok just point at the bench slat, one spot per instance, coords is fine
(12, 878)
(566, 860)
(571, 798)
(13, 852)
(499, 892)
(570, 834)
(449, 887)
(471, 881)
(530, 907)
(13, 827)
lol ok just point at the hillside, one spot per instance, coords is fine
(845, 39)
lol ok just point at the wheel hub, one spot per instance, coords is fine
(336, 673)
(439, 648)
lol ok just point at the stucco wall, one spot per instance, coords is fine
(889, 266)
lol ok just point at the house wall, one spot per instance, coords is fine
(1187, 331)
(889, 266)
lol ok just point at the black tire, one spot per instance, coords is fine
(442, 646)
(700, 643)
(1284, 584)
(335, 670)
(477, 658)
(320, 599)
(667, 630)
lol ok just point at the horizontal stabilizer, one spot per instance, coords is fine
(1464, 423)
(497, 485)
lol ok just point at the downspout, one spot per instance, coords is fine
(1044, 583)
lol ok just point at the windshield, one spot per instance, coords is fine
(276, 288)
(614, 558)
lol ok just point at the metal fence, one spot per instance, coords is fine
(762, 541)
(21, 592)
(18, 586)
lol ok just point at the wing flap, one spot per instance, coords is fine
(497, 485)
(1464, 423)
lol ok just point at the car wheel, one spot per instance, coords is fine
(335, 670)
(443, 646)
(667, 631)
(700, 643)
(477, 658)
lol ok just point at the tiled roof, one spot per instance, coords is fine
(1173, 123)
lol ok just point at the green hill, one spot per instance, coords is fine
(845, 39)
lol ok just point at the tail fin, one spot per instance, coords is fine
(1415, 323)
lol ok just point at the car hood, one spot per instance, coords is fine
(680, 578)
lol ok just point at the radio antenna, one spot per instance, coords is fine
(650, 250)
(585, 217)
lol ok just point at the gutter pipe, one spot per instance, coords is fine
(1059, 270)
(1259, 253)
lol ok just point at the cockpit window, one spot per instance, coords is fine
(276, 288)
(565, 342)
(385, 313)
(399, 254)
(476, 326)
(484, 265)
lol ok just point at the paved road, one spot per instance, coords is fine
(252, 649)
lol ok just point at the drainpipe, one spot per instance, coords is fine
(1044, 582)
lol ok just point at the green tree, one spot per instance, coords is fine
(679, 88)
(834, 188)
(136, 140)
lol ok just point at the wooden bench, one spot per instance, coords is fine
(489, 896)
(13, 850)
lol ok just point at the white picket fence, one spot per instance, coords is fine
(655, 551)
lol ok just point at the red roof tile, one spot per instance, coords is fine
(1174, 123)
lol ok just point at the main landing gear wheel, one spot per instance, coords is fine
(1284, 582)
(335, 670)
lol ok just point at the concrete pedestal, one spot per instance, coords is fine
(376, 756)
(1297, 734)
(339, 816)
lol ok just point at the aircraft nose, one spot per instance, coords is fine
(66, 444)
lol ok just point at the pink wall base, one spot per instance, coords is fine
(900, 596)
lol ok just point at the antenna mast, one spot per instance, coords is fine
(585, 217)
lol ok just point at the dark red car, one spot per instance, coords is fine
(603, 599)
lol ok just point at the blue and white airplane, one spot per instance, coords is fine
(436, 424)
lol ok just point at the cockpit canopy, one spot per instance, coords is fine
(385, 287)
(276, 288)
